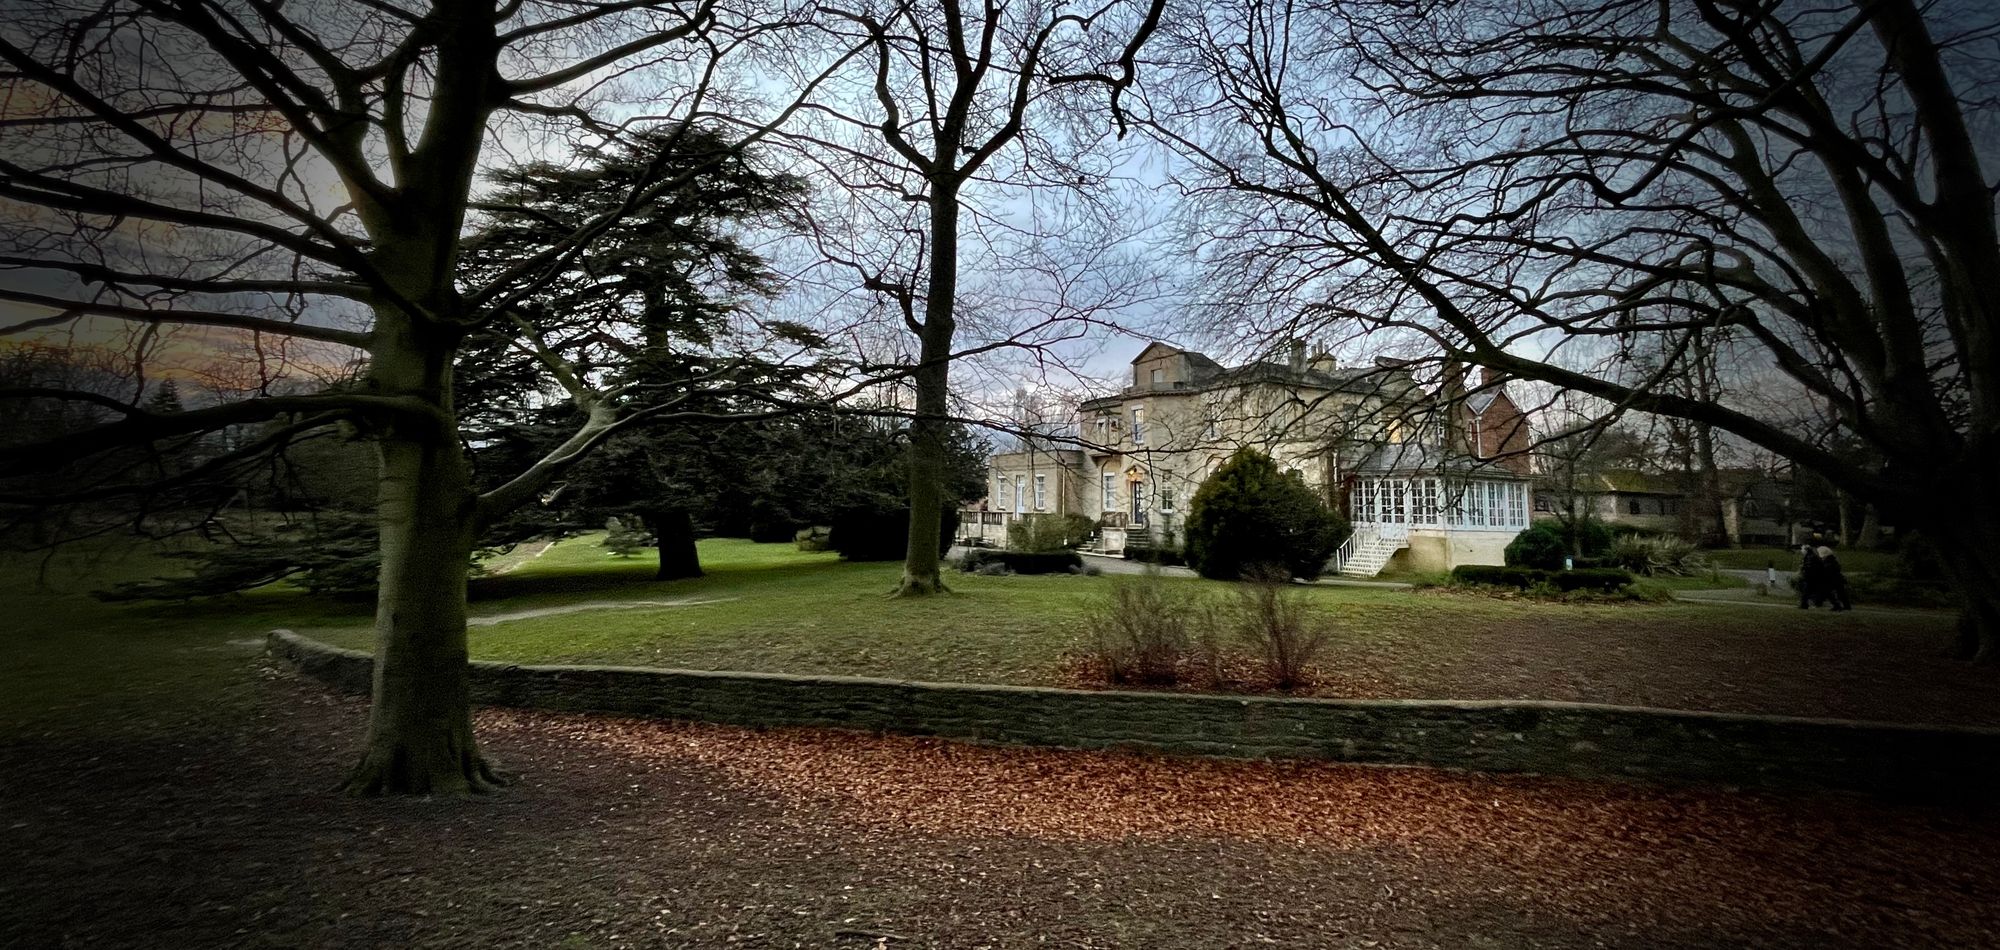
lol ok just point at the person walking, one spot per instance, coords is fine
(1832, 580)
(1810, 574)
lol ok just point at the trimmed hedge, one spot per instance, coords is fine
(1545, 543)
(1150, 554)
(866, 534)
(1024, 562)
(1606, 579)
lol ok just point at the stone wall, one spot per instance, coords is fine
(1571, 739)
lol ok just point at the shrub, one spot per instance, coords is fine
(1023, 562)
(1147, 552)
(1602, 579)
(1276, 622)
(1655, 556)
(625, 539)
(1045, 532)
(1534, 579)
(873, 534)
(1148, 631)
(1248, 514)
(1489, 575)
(815, 538)
(1545, 543)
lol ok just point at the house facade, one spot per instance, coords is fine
(1034, 481)
(1755, 505)
(1436, 479)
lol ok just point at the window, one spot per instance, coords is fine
(1000, 492)
(1138, 426)
(1632, 506)
(1543, 503)
(1138, 502)
(1020, 493)
(1041, 493)
(1110, 492)
(1166, 498)
(1159, 376)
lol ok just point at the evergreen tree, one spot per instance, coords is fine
(1249, 516)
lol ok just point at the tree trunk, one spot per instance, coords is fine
(1714, 525)
(922, 564)
(1870, 537)
(1845, 506)
(1968, 542)
(420, 725)
(673, 531)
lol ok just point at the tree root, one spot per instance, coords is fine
(397, 770)
(920, 586)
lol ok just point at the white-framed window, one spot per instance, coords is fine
(1020, 493)
(1166, 498)
(1041, 493)
(1000, 492)
(1110, 492)
(1138, 425)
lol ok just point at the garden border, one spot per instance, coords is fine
(1582, 740)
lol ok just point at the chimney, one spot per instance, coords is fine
(1323, 362)
(1452, 383)
(1298, 356)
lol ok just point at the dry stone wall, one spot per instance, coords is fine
(1568, 739)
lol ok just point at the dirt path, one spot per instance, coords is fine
(641, 834)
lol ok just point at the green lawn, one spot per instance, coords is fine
(1787, 559)
(72, 660)
(72, 663)
(770, 607)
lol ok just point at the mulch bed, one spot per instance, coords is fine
(632, 833)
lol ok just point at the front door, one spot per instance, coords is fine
(1138, 503)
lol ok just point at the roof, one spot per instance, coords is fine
(1206, 373)
(1411, 458)
(1072, 457)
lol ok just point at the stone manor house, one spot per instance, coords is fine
(1430, 478)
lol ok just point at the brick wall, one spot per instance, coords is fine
(1571, 739)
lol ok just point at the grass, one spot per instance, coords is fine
(770, 607)
(72, 660)
(1852, 560)
(74, 664)
(1671, 582)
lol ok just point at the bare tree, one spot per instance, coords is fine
(946, 93)
(1517, 183)
(308, 173)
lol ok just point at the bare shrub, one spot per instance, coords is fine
(1148, 631)
(1276, 622)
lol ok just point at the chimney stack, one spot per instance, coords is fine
(1452, 382)
(1298, 356)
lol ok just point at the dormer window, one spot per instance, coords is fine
(1159, 377)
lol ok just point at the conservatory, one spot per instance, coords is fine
(1433, 521)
